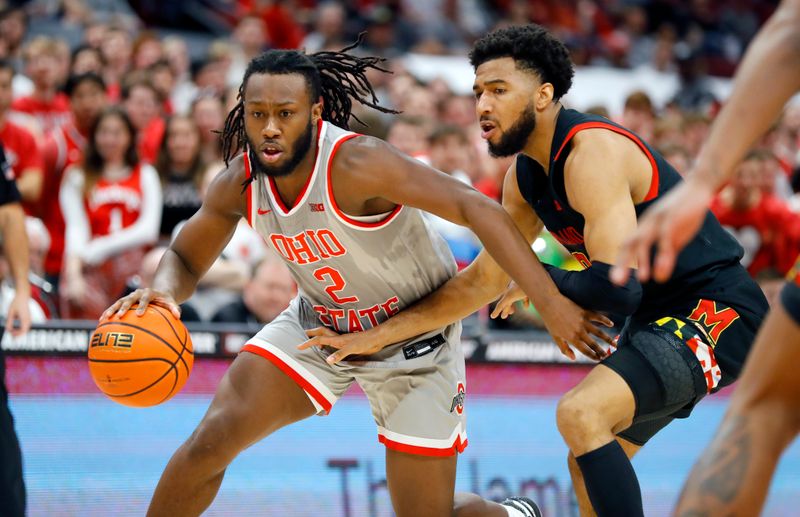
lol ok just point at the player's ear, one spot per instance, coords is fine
(316, 111)
(544, 95)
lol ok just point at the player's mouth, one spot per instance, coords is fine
(271, 152)
(487, 129)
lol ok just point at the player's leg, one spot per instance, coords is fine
(254, 399)
(423, 486)
(582, 497)
(762, 420)
(12, 487)
(419, 407)
(588, 417)
(420, 486)
(269, 385)
(633, 394)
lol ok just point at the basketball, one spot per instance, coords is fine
(141, 360)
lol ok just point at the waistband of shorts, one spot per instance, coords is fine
(423, 346)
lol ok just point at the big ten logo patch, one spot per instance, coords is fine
(458, 401)
(117, 341)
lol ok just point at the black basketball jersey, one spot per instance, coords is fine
(712, 251)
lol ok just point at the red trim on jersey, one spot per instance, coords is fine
(653, 190)
(458, 446)
(302, 193)
(386, 220)
(249, 189)
(295, 376)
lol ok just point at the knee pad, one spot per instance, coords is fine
(672, 348)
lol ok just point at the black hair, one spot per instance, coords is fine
(76, 80)
(533, 48)
(336, 77)
(5, 64)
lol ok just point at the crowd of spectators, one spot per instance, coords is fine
(110, 124)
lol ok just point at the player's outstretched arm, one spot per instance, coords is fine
(195, 248)
(767, 77)
(403, 180)
(15, 246)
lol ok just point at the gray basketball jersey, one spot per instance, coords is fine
(353, 272)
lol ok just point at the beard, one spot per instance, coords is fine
(514, 140)
(298, 151)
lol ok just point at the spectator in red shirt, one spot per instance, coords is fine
(762, 223)
(112, 208)
(63, 148)
(42, 64)
(22, 152)
(143, 104)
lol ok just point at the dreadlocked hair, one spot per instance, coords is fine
(336, 77)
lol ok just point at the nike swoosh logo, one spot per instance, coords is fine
(264, 212)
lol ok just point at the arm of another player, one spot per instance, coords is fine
(472, 288)
(765, 80)
(476, 285)
(195, 248)
(30, 170)
(15, 246)
(601, 173)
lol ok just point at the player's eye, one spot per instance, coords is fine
(256, 114)
(286, 113)
(499, 91)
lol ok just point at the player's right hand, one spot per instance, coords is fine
(354, 343)
(669, 225)
(569, 324)
(142, 297)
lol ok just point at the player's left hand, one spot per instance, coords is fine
(505, 305)
(354, 343)
(18, 311)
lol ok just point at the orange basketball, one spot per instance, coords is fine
(141, 360)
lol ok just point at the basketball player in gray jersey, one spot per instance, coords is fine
(338, 208)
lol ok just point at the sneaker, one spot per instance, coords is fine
(524, 505)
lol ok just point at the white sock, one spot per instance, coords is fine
(513, 512)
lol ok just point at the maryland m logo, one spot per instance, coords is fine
(715, 322)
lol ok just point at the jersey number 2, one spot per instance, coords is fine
(335, 282)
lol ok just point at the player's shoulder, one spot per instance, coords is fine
(228, 191)
(599, 148)
(360, 153)
(360, 146)
(234, 173)
(597, 140)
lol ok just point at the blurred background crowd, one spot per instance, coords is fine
(109, 112)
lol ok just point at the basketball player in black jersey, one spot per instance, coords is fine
(733, 475)
(587, 180)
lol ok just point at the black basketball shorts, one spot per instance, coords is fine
(670, 364)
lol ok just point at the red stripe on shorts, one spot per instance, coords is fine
(291, 372)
